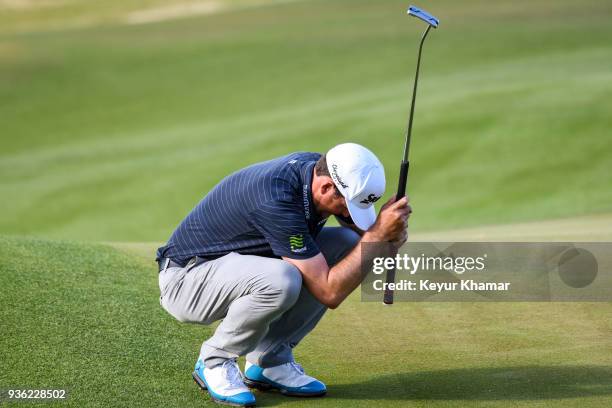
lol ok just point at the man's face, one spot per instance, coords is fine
(331, 202)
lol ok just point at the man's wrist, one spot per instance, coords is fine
(371, 236)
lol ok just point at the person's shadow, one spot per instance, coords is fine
(472, 384)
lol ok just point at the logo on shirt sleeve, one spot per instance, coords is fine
(296, 242)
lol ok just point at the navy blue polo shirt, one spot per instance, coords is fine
(265, 209)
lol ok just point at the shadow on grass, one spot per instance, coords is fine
(478, 384)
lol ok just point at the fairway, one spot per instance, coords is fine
(113, 132)
(117, 117)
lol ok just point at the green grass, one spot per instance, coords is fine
(114, 132)
(87, 317)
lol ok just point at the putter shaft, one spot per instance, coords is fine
(405, 165)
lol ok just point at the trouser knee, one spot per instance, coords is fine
(348, 239)
(285, 284)
(336, 243)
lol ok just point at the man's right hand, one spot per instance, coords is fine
(392, 222)
(331, 286)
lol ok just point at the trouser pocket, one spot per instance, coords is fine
(168, 279)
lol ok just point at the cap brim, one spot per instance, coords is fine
(363, 218)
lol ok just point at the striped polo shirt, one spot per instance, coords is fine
(265, 209)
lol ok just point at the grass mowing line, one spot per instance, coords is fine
(138, 148)
(191, 9)
(496, 148)
(439, 93)
(23, 16)
(136, 154)
(259, 122)
(577, 229)
(591, 228)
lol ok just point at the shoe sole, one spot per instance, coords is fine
(262, 386)
(200, 383)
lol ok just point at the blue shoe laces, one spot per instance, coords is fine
(298, 367)
(231, 372)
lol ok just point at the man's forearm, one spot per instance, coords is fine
(331, 286)
(344, 277)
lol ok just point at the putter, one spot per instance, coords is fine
(403, 177)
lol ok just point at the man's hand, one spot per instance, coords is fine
(332, 286)
(392, 223)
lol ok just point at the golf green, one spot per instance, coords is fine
(86, 317)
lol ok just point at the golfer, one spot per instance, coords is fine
(254, 254)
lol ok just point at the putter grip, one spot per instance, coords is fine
(403, 179)
(401, 192)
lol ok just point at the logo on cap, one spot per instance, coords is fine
(335, 176)
(362, 182)
(372, 198)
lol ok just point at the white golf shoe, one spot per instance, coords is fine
(224, 384)
(289, 378)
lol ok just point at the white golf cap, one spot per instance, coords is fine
(360, 177)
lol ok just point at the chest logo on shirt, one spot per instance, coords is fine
(296, 242)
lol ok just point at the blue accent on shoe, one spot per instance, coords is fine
(254, 374)
(245, 399)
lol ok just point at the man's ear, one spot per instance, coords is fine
(327, 186)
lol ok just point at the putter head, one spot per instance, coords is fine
(423, 15)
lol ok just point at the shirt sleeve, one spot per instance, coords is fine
(284, 227)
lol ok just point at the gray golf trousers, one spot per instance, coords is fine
(266, 311)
